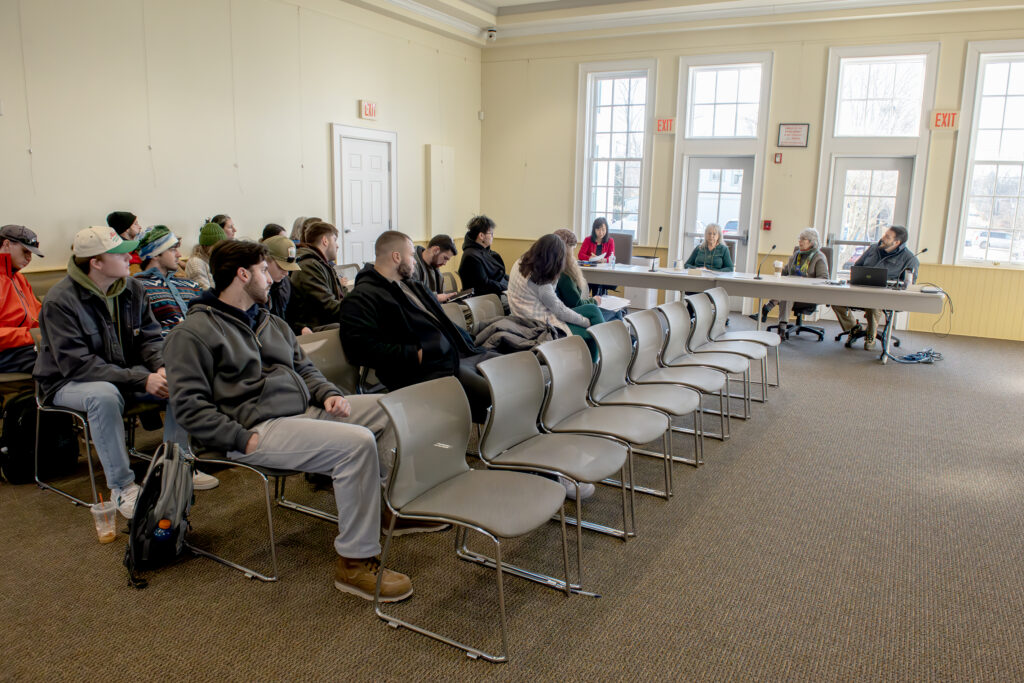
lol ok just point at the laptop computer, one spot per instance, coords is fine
(868, 277)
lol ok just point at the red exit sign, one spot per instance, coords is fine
(367, 110)
(945, 120)
(665, 126)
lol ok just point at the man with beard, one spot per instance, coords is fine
(316, 290)
(240, 383)
(430, 260)
(393, 324)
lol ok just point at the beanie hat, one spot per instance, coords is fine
(156, 241)
(210, 234)
(121, 220)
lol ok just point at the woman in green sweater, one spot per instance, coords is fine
(711, 253)
(571, 284)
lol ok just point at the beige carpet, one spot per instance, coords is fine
(865, 524)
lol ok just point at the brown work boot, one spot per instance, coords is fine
(359, 577)
(408, 526)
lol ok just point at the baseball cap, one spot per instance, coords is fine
(101, 240)
(282, 250)
(19, 233)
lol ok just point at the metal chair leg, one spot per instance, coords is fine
(88, 458)
(279, 498)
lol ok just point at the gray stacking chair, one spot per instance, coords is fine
(700, 341)
(449, 282)
(566, 409)
(328, 355)
(720, 299)
(676, 355)
(646, 367)
(430, 481)
(456, 314)
(611, 386)
(483, 309)
(512, 440)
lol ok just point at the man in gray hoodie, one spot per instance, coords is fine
(239, 382)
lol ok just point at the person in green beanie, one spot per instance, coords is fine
(198, 267)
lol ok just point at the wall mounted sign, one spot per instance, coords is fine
(793, 134)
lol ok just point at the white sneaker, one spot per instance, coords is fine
(586, 490)
(125, 499)
(204, 482)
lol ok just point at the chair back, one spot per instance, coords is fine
(449, 282)
(568, 361)
(677, 316)
(827, 253)
(703, 317)
(456, 315)
(517, 394)
(432, 424)
(325, 350)
(623, 246)
(720, 300)
(484, 309)
(650, 337)
(615, 351)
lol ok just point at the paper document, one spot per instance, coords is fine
(613, 303)
(597, 258)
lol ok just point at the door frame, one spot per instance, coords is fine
(340, 131)
(743, 241)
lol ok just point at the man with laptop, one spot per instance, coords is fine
(881, 263)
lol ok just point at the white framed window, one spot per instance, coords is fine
(874, 148)
(986, 213)
(724, 101)
(614, 139)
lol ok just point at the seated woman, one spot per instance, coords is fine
(531, 291)
(571, 282)
(599, 243)
(711, 253)
(806, 261)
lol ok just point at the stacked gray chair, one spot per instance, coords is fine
(430, 481)
(611, 385)
(512, 440)
(566, 409)
(483, 310)
(720, 299)
(647, 367)
(700, 342)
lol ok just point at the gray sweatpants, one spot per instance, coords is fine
(347, 450)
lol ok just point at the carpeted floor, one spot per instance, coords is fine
(865, 524)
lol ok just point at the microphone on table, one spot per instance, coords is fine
(654, 261)
(905, 281)
(758, 276)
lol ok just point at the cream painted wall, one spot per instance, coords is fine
(530, 102)
(180, 110)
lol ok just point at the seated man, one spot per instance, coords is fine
(168, 294)
(892, 254)
(394, 325)
(240, 383)
(19, 307)
(101, 346)
(316, 290)
(429, 261)
(481, 269)
(127, 226)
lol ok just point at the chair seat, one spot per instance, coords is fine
(673, 399)
(727, 362)
(636, 425)
(755, 336)
(582, 457)
(493, 500)
(704, 379)
(741, 348)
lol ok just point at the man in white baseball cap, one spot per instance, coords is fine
(101, 349)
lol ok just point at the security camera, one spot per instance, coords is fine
(492, 34)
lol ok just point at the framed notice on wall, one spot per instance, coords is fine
(793, 134)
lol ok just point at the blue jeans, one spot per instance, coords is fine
(103, 404)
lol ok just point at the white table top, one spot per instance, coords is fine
(791, 288)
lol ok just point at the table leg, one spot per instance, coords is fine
(757, 313)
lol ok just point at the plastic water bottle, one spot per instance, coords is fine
(163, 530)
(611, 259)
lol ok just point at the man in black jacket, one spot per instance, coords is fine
(429, 261)
(482, 269)
(316, 290)
(394, 325)
(100, 346)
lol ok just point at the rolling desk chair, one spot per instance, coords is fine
(802, 308)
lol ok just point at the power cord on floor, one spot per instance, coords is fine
(925, 356)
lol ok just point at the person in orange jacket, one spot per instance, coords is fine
(19, 307)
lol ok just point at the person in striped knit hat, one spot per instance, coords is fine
(168, 294)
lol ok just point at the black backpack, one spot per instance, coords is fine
(58, 444)
(166, 497)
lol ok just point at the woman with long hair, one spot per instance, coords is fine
(711, 253)
(598, 244)
(571, 284)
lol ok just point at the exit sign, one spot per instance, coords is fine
(367, 110)
(945, 120)
(665, 126)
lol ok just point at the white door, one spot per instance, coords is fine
(365, 197)
(718, 191)
(867, 196)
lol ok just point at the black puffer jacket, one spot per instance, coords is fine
(481, 269)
